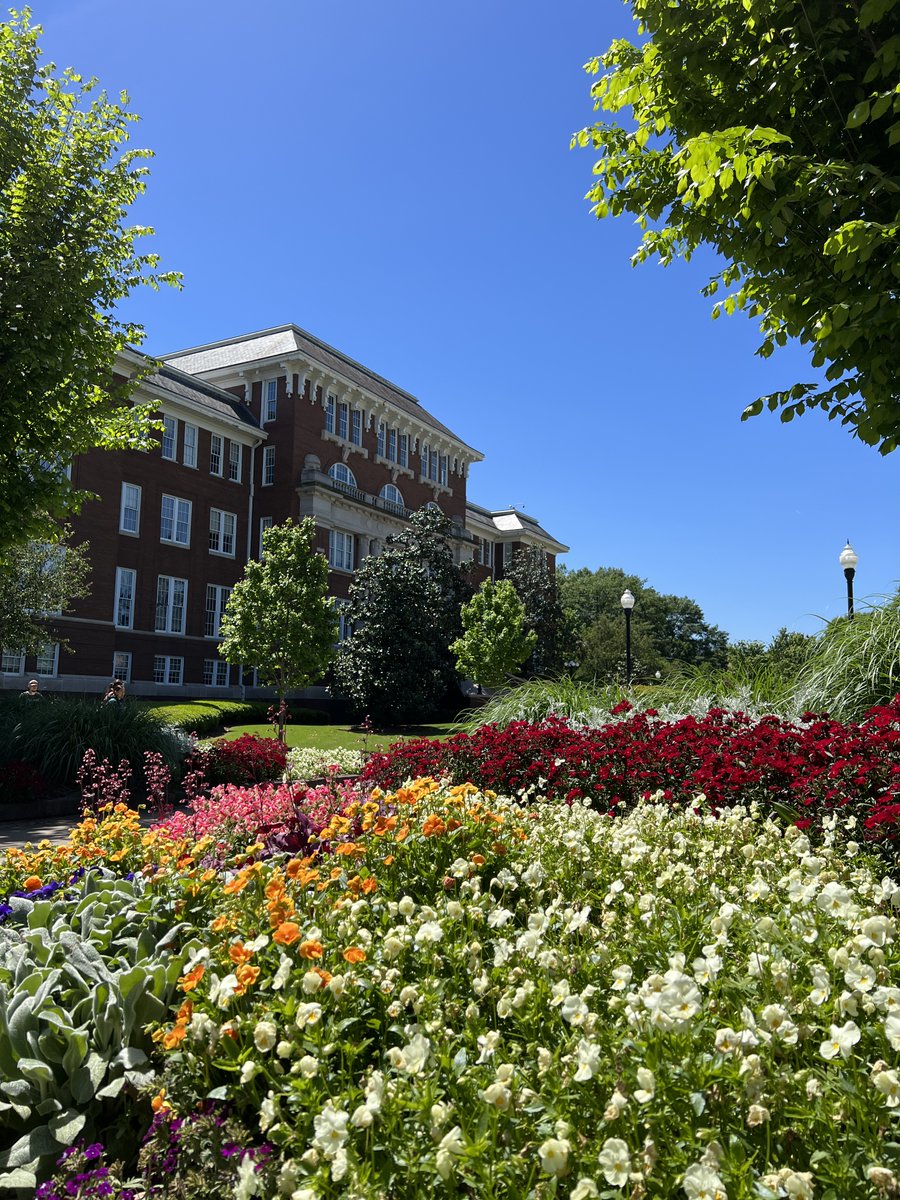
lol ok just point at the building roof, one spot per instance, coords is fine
(287, 341)
(198, 391)
(515, 525)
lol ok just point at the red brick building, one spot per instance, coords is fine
(257, 429)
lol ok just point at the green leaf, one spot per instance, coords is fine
(858, 114)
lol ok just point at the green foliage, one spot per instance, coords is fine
(786, 654)
(576, 700)
(494, 643)
(53, 736)
(537, 587)
(770, 132)
(279, 617)
(666, 631)
(38, 582)
(396, 666)
(80, 979)
(66, 262)
(206, 716)
(856, 663)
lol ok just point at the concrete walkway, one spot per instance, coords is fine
(54, 829)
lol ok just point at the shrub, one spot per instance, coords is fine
(21, 781)
(306, 762)
(53, 737)
(243, 760)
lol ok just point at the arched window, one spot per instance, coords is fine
(341, 473)
(392, 495)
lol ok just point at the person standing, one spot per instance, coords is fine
(115, 693)
(31, 691)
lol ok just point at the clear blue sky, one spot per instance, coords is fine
(396, 179)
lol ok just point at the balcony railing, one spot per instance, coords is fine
(314, 478)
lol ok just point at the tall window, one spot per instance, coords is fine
(168, 669)
(216, 599)
(46, 661)
(171, 600)
(222, 527)
(343, 426)
(130, 511)
(264, 524)
(403, 453)
(392, 445)
(268, 466)
(270, 399)
(443, 470)
(169, 438)
(356, 427)
(215, 455)
(330, 403)
(344, 626)
(189, 446)
(121, 667)
(423, 459)
(340, 550)
(433, 465)
(123, 612)
(234, 461)
(382, 434)
(12, 662)
(215, 672)
(175, 521)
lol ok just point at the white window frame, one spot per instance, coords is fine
(216, 448)
(269, 400)
(126, 591)
(395, 500)
(343, 421)
(340, 550)
(268, 466)
(174, 614)
(7, 657)
(403, 450)
(117, 672)
(170, 662)
(222, 526)
(44, 657)
(169, 446)
(423, 460)
(179, 507)
(442, 469)
(344, 626)
(392, 445)
(264, 524)
(235, 461)
(342, 474)
(213, 671)
(136, 509)
(356, 427)
(382, 438)
(216, 602)
(330, 406)
(189, 445)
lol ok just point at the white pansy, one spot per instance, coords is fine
(308, 1066)
(429, 934)
(330, 1127)
(362, 1117)
(888, 1083)
(497, 1095)
(702, 1182)
(647, 1089)
(584, 1189)
(615, 1162)
(451, 1146)
(621, 977)
(265, 1035)
(840, 1041)
(311, 983)
(283, 973)
(500, 917)
(835, 899)
(587, 1055)
(308, 1014)
(554, 1156)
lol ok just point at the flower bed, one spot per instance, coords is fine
(467, 995)
(804, 770)
(243, 760)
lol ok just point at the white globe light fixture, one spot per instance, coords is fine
(848, 560)
(627, 603)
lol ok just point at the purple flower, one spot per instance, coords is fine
(93, 1151)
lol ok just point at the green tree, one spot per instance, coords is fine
(536, 586)
(770, 131)
(666, 631)
(66, 261)
(38, 582)
(494, 642)
(279, 617)
(786, 654)
(396, 666)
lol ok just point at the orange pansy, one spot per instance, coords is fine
(354, 954)
(311, 950)
(286, 934)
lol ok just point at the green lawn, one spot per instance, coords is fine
(328, 737)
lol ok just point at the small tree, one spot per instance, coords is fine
(279, 617)
(537, 588)
(38, 582)
(405, 611)
(495, 642)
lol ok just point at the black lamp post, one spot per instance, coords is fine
(627, 603)
(848, 560)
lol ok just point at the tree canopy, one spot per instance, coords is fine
(279, 617)
(494, 642)
(38, 582)
(666, 631)
(67, 259)
(404, 609)
(770, 131)
(537, 587)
